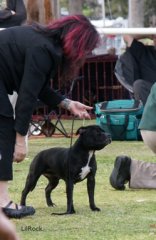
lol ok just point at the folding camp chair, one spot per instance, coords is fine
(41, 122)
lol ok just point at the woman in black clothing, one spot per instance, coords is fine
(13, 15)
(29, 57)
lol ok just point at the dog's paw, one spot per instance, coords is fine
(51, 204)
(71, 212)
(95, 209)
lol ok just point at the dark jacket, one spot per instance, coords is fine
(28, 60)
(145, 57)
(9, 20)
(127, 70)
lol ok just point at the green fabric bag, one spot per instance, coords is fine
(120, 118)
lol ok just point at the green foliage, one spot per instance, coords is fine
(150, 10)
(150, 6)
(116, 8)
(92, 8)
(64, 3)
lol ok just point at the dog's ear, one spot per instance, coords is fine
(80, 130)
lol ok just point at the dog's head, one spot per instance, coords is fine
(93, 137)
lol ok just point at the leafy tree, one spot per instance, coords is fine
(150, 13)
(92, 8)
(116, 8)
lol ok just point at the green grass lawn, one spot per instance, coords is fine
(125, 215)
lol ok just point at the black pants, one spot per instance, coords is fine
(142, 89)
(17, 19)
(7, 142)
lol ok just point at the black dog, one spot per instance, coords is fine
(70, 164)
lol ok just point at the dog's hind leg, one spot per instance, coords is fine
(30, 184)
(53, 182)
(36, 169)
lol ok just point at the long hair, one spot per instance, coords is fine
(77, 37)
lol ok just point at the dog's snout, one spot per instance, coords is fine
(109, 136)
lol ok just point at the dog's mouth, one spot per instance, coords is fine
(105, 139)
(101, 144)
(108, 140)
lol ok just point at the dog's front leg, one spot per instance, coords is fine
(90, 189)
(69, 192)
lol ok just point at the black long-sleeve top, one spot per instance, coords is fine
(28, 60)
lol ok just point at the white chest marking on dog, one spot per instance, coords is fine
(85, 170)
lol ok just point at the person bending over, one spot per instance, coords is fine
(35, 54)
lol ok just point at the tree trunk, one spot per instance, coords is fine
(39, 10)
(56, 8)
(136, 13)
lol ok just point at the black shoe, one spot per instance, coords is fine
(21, 212)
(121, 172)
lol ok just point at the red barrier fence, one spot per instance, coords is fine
(98, 83)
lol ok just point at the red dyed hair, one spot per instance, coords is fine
(77, 37)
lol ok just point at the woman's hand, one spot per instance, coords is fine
(76, 108)
(80, 110)
(21, 148)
